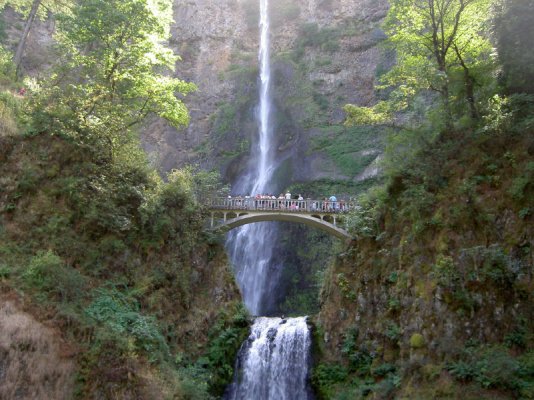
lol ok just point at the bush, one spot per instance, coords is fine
(7, 69)
(225, 340)
(417, 341)
(325, 375)
(48, 273)
(494, 367)
(5, 271)
(120, 313)
(364, 220)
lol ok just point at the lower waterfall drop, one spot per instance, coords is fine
(273, 362)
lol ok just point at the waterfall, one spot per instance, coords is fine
(274, 362)
(251, 247)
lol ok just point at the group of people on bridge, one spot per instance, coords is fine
(285, 202)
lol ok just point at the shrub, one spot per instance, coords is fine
(325, 375)
(48, 273)
(5, 271)
(383, 370)
(120, 313)
(493, 367)
(417, 341)
(392, 331)
(225, 340)
(364, 220)
(7, 69)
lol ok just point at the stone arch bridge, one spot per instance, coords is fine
(323, 214)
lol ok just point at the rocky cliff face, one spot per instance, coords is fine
(325, 54)
(445, 284)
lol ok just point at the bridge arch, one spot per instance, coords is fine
(316, 221)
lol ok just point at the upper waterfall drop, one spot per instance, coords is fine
(264, 166)
(251, 247)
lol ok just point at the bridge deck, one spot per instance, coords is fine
(307, 206)
(322, 214)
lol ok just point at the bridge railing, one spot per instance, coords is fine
(262, 204)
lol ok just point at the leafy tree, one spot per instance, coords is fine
(434, 41)
(30, 10)
(111, 75)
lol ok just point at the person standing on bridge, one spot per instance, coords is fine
(333, 204)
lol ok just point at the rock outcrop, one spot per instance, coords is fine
(324, 54)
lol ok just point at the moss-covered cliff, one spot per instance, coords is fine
(434, 298)
(324, 55)
(142, 303)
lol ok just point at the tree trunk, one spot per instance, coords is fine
(469, 83)
(27, 27)
(445, 93)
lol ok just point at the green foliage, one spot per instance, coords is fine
(10, 104)
(383, 370)
(494, 367)
(226, 119)
(362, 377)
(359, 358)
(311, 35)
(417, 341)
(5, 272)
(46, 6)
(345, 288)
(376, 115)
(170, 209)
(7, 70)
(517, 338)
(364, 220)
(492, 265)
(446, 271)
(194, 380)
(352, 149)
(226, 338)
(121, 314)
(393, 331)
(325, 375)
(111, 73)
(48, 274)
(437, 44)
(523, 182)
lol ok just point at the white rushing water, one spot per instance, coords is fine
(251, 247)
(274, 362)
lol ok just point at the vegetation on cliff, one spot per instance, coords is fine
(94, 243)
(105, 268)
(434, 299)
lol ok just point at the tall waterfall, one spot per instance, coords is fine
(273, 363)
(251, 247)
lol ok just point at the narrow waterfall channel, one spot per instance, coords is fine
(251, 247)
(273, 363)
